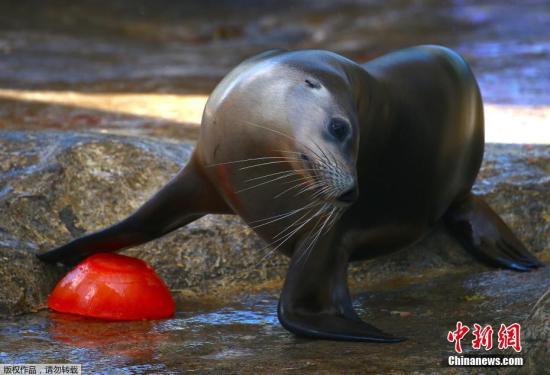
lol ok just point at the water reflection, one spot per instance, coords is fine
(130, 340)
(225, 316)
(244, 336)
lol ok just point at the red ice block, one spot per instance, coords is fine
(113, 286)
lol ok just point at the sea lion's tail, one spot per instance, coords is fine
(483, 233)
(187, 197)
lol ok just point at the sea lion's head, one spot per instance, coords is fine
(282, 129)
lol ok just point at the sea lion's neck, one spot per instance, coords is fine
(376, 115)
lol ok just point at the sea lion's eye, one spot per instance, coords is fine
(339, 129)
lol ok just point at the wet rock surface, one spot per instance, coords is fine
(537, 337)
(56, 186)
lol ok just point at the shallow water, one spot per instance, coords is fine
(245, 336)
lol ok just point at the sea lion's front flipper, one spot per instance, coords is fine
(315, 301)
(187, 197)
(483, 233)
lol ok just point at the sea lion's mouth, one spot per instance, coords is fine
(325, 180)
(339, 196)
(349, 196)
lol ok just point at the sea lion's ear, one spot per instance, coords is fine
(362, 84)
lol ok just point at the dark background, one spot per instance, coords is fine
(186, 47)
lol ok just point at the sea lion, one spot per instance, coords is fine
(306, 145)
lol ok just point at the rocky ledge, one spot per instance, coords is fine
(56, 186)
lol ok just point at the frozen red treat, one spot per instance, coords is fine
(113, 286)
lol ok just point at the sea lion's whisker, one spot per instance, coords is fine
(281, 214)
(250, 159)
(339, 164)
(315, 185)
(267, 163)
(316, 181)
(264, 183)
(316, 157)
(282, 233)
(289, 235)
(321, 162)
(326, 159)
(306, 182)
(300, 183)
(289, 152)
(270, 175)
(282, 134)
(322, 191)
(303, 247)
(332, 193)
(308, 189)
(337, 213)
(319, 233)
(296, 180)
(278, 217)
(317, 166)
(300, 154)
(300, 178)
(278, 173)
(281, 240)
(272, 130)
(332, 218)
(327, 225)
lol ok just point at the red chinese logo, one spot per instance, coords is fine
(457, 335)
(483, 337)
(508, 336)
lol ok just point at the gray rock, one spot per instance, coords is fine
(56, 186)
(536, 337)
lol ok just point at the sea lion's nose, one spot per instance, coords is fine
(350, 195)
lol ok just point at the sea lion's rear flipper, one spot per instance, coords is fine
(315, 301)
(483, 233)
(187, 197)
